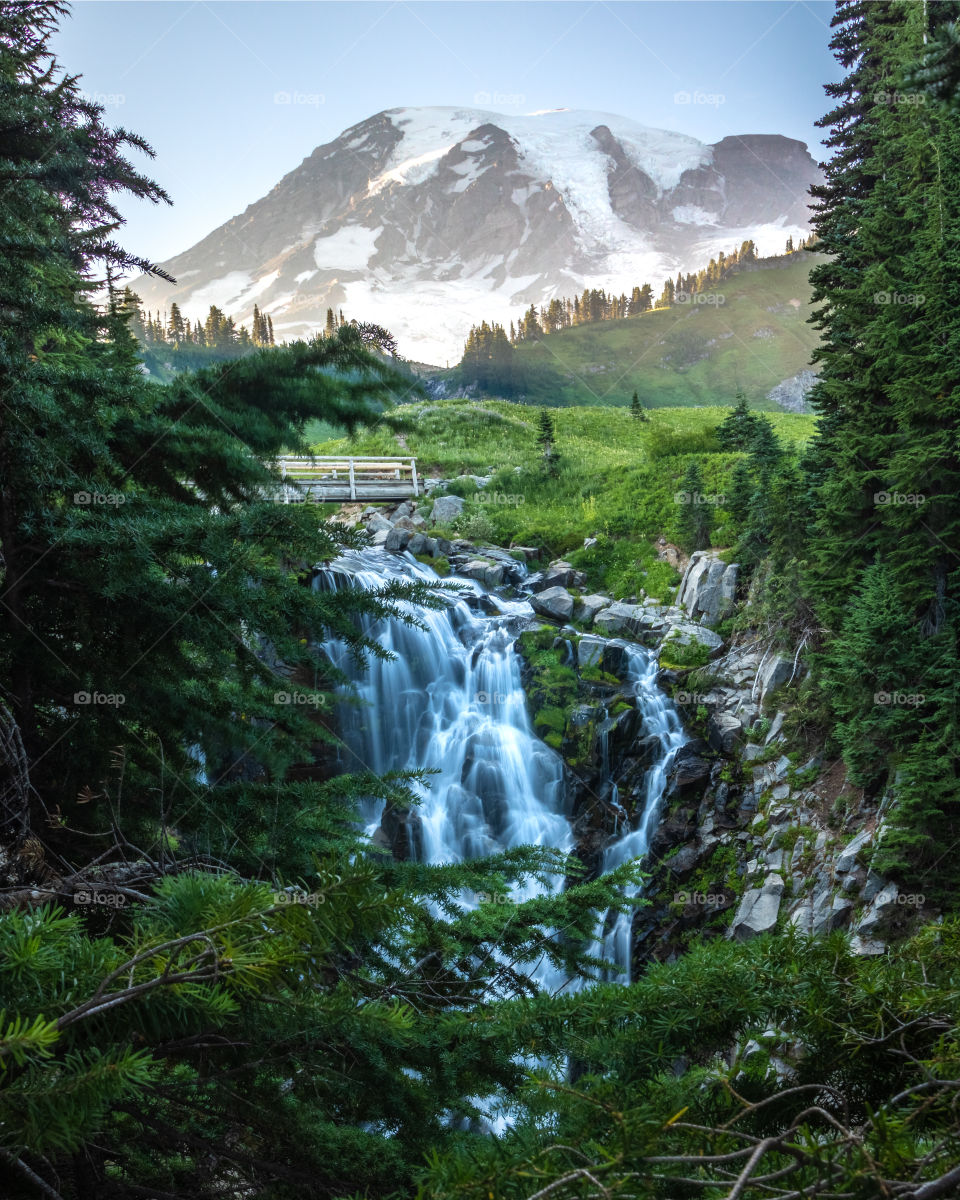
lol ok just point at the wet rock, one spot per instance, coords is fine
(616, 658)
(555, 603)
(397, 539)
(690, 769)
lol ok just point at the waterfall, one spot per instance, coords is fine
(660, 721)
(451, 701)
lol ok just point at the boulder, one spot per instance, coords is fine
(686, 633)
(555, 603)
(847, 859)
(588, 607)
(397, 539)
(561, 574)
(690, 769)
(616, 658)
(421, 544)
(590, 651)
(446, 509)
(406, 509)
(379, 522)
(709, 586)
(774, 673)
(623, 618)
(724, 731)
(758, 909)
(414, 523)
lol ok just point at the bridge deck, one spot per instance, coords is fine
(347, 478)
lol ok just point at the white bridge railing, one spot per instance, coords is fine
(350, 478)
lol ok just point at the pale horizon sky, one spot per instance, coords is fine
(232, 96)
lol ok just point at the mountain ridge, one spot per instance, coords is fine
(425, 219)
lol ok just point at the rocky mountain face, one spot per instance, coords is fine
(427, 220)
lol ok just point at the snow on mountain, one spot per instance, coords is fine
(427, 220)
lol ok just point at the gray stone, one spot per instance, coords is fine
(414, 523)
(774, 673)
(377, 522)
(774, 730)
(780, 792)
(623, 618)
(781, 767)
(588, 607)
(847, 859)
(758, 909)
(708, 587)
(380, 537)
(590, 651)
(417, 544)
(446, 509)
(752, 751)
(724, 731)
(685, 633)
(397, 539)
(555, 602)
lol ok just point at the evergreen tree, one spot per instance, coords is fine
(738, 494)
(546, 440)
(737, 429)
(695, 516)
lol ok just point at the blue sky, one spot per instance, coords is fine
(234, 95)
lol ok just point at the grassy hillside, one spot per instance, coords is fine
(752, 332)
(617, 477)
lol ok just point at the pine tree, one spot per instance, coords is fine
(737, 429)
(546, 440)
(695, 516)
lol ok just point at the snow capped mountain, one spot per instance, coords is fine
(427, 220)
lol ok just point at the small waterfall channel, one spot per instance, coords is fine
(451, 700)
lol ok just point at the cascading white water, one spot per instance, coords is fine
(451, 700)
(660, 721)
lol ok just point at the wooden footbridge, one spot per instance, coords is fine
(345, 478)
